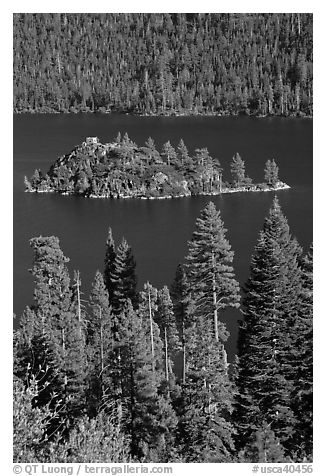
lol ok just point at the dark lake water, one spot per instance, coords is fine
(157, 230)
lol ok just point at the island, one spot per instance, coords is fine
(122, 169)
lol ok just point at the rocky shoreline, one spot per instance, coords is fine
(253, 188)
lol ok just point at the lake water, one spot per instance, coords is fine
(157, 230)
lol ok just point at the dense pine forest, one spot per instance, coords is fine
(254, 64)
(142, 375)
(122, 169)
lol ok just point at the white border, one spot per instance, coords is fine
(319, 173)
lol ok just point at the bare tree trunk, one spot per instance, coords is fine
(151, 326)
(79, 304)
(101, 351)
(183, 353)
(63, 336)
(166, 356)
(215, 302)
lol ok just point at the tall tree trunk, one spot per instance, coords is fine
(183, 353)
(63, 336)
(101, 351)
(215, 301)
(166, 356)
(79, 304)
(151, 327)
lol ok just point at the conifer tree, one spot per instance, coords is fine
(209, 269)
(184, 158)
(100, 344)
(169, 153)
(118, 138)
(264, 448)
(180, 295)
(266, 341)
(28, 324)
(109, 262)
(57, 319)
(147, 310)
(237, 170)
(302, 398)
(123, 278)
(271, 173)
(148, 416)
(165, 319)
(205, 428)
(152, 151)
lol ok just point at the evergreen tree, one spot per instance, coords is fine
(109, 259)
(271, 173)
(267, 352)
(100, 344)
(165, 319)
(148, 416)
(79, 307)
(302, 398)
(147, 309)
(57, 318)
(205, 427)
(265, 447)
(237, 170)
(152, 151)
(209, 269)
(180, 294)
(123, 278)
(184, 158)
(169, 153)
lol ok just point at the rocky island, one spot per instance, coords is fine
(122, 169)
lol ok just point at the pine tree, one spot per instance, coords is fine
(237, 170)
(271, 173)
(57, 319)
(265, 447)
(148, 417)
(209, 269)
(169, 153)
(109, 259)
(100, 344)
(152, 151)
(302, 398)
(78, 306)
(266, 352)
(184, 158)
(123, 278)
(180, 295)
(165, 319)
(205, 428)
(147, 310)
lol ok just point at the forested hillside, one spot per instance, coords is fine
(164, 63)
(96, 380)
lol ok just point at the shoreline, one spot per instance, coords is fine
(254, 188)
(171, 114)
